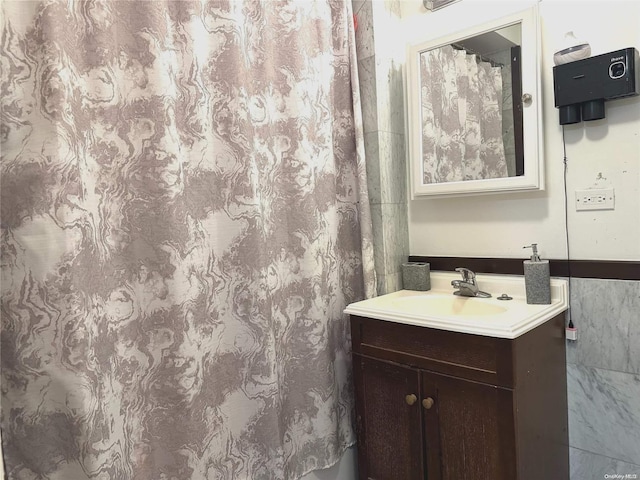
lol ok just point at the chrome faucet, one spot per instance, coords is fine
(467, 287)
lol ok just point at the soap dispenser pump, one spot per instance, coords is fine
(537, 278)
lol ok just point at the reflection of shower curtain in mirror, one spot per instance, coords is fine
(461, 108)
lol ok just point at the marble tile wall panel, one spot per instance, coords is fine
(368, 93)
(395, 236)
(607, 315)
(365, 46)
(372, 155)
(604, 412)
(391, 243)
(590, 466)
(390, 177)
(389, 283)
(390, 96)
(393, 168)
(380, 285)
(381, 92)
(634, 344)
(508, 133)
(378, 239)
(357, 5)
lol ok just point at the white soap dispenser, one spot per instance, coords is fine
(537, 278)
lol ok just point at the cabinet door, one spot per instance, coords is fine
(388, 420)
(469, 429)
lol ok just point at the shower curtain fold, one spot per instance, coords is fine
(184, 218)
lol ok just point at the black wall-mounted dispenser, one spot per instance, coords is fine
(581, 87)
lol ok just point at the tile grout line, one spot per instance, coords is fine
(605, 456)
(635, 374)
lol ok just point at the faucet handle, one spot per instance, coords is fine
(467, 275)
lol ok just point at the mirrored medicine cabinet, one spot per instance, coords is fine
(474, 108)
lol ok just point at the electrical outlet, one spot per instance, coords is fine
(601, 199)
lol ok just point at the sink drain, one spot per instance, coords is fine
(504, 296)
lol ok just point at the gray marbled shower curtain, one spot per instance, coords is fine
(461, 116)
(184, 218)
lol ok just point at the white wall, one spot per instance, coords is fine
(603, 152)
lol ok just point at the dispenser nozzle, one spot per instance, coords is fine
(534, 257)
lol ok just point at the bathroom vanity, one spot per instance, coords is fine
(437, 398)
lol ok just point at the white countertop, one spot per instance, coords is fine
(439, 308)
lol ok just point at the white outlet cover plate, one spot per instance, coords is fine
(595, 199)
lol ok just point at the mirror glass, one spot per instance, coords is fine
(467, 109)
(467, 112)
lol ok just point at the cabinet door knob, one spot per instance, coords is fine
(411, 399)
(427, 403)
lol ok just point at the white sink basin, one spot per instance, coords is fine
(439, 308)
(447, 306)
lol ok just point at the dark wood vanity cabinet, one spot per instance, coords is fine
(439, 405)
